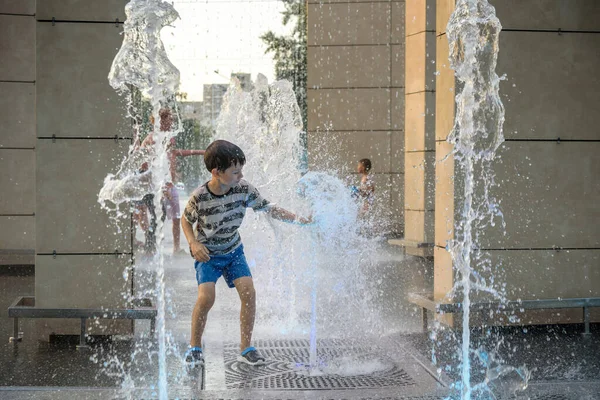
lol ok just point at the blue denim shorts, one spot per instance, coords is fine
(231, 265)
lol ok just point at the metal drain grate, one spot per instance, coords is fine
(294, 381)
(285, 358)
(302, 343)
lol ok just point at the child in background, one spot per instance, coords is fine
(366, 190)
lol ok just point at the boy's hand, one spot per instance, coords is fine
(199, 251)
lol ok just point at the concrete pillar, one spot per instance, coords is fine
(444, 169)
(17, 132)
(82, 255)
(419, 128)
(356, 96)
(545, 171)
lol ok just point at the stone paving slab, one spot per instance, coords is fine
(538, 391)
(185, 394)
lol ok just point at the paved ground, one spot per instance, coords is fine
(392, 363)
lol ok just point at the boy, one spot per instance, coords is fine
(170, 199)
(218, 208)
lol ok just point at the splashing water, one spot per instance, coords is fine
(505, 379)
(311, 278)
(142, 64)
(473, 31)
(142, 60)
(316, 270)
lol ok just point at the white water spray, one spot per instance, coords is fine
(142, 63)
(473, 31)
(311, 280)
(142, 60)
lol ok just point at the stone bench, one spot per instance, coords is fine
(419, 249)
(427, 304)
(24, 307)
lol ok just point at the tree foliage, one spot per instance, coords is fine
(195, 136)
(289, 52)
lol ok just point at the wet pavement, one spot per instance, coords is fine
(396, 364)
(553, 353)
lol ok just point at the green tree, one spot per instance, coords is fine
(289, 53)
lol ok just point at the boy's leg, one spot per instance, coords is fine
(175, 215)
(140, 215)
(204, 302)
(176, 234)
(151, 229)
(245, 288)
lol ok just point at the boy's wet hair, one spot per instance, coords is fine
(222, 154)
(366, 163)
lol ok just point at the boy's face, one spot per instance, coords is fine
(360, 168)
(231, 176)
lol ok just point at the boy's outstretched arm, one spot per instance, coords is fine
(187, 153)
(287, 216)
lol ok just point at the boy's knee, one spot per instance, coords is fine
(248, 294)
(206, 300)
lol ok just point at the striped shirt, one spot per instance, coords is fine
(218, 217)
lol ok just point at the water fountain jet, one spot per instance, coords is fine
(473, 32)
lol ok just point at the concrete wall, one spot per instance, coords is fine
(17, 131)
(356, 95)
(82, 135)
(546, 171)
(64, 129)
